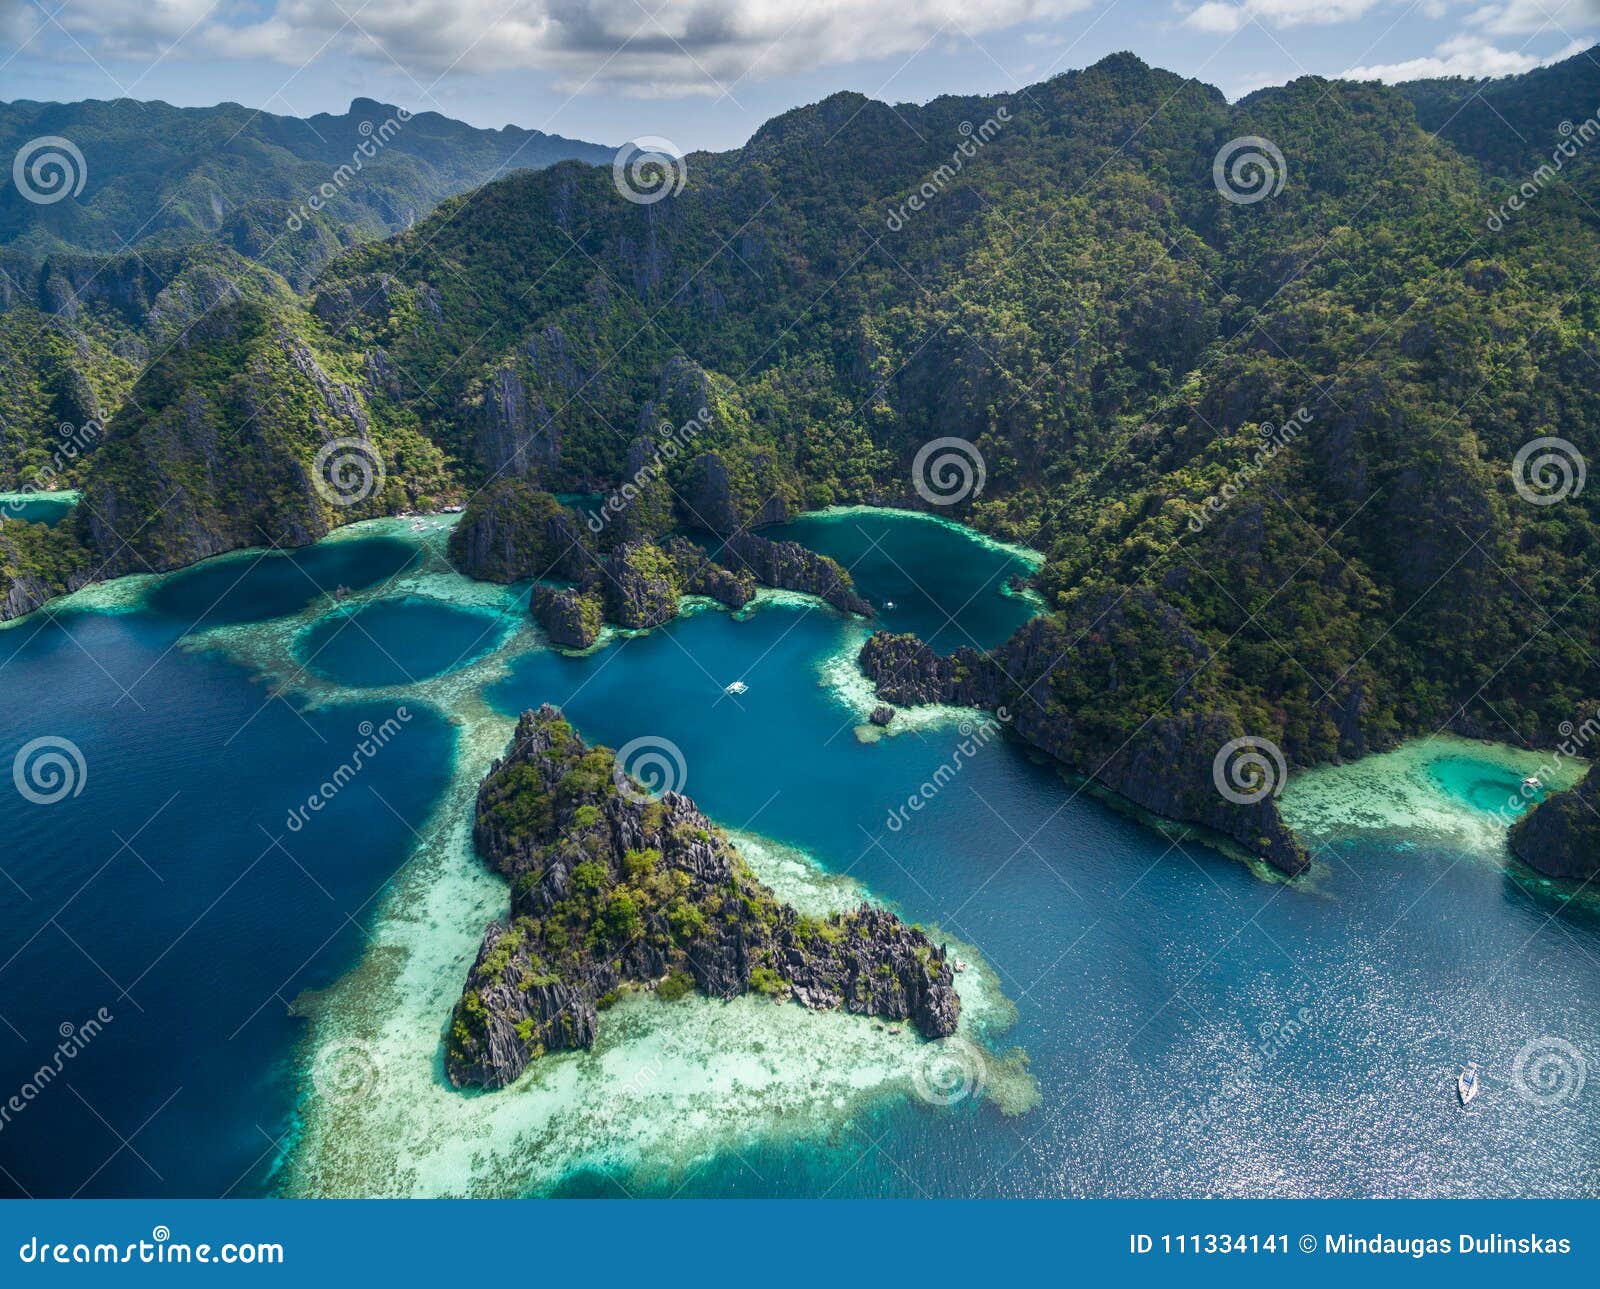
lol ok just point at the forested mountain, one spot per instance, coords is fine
(157, 175)
(182, 210)
(1071, 278)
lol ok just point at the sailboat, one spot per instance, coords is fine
(1467, 1084)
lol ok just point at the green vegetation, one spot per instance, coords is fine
(608, 892)
(1080, 302)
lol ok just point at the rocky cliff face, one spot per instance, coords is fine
(908, 672)
(38, 563)
(516, 432)
(571, 617)
(789, 566)
(219, 448)
(1561, 836)
(699, 574)
(1067, 688)
(512, 531)
(611, 888)
(641, 586)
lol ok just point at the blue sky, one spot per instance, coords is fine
(706, 73)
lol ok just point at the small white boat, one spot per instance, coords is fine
(1467, 1084)
(888, 604)
(738, 687)
(1532, 783)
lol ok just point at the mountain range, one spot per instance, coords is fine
(1295, 393)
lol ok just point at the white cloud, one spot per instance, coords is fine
(1224, 17)
(1470, 56)
(1519, 17)
(1218, 17)
(683, 47)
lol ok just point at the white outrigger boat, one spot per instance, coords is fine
(1467, 1084)
(738, 687)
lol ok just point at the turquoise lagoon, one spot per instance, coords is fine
(1142, 1015)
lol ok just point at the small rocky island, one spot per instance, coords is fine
(612, 889)
(513, 531)
(1560, 837)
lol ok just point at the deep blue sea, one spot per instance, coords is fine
(1192, 1027)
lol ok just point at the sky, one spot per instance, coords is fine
(707, 73)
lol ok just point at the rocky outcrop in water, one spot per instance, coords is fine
(1067, 686)
(570, 616)
(909, 672)
(641, 586)
(789, 566)
(512, 530)
(699, 574)
(1560, 837)
(612, 888)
